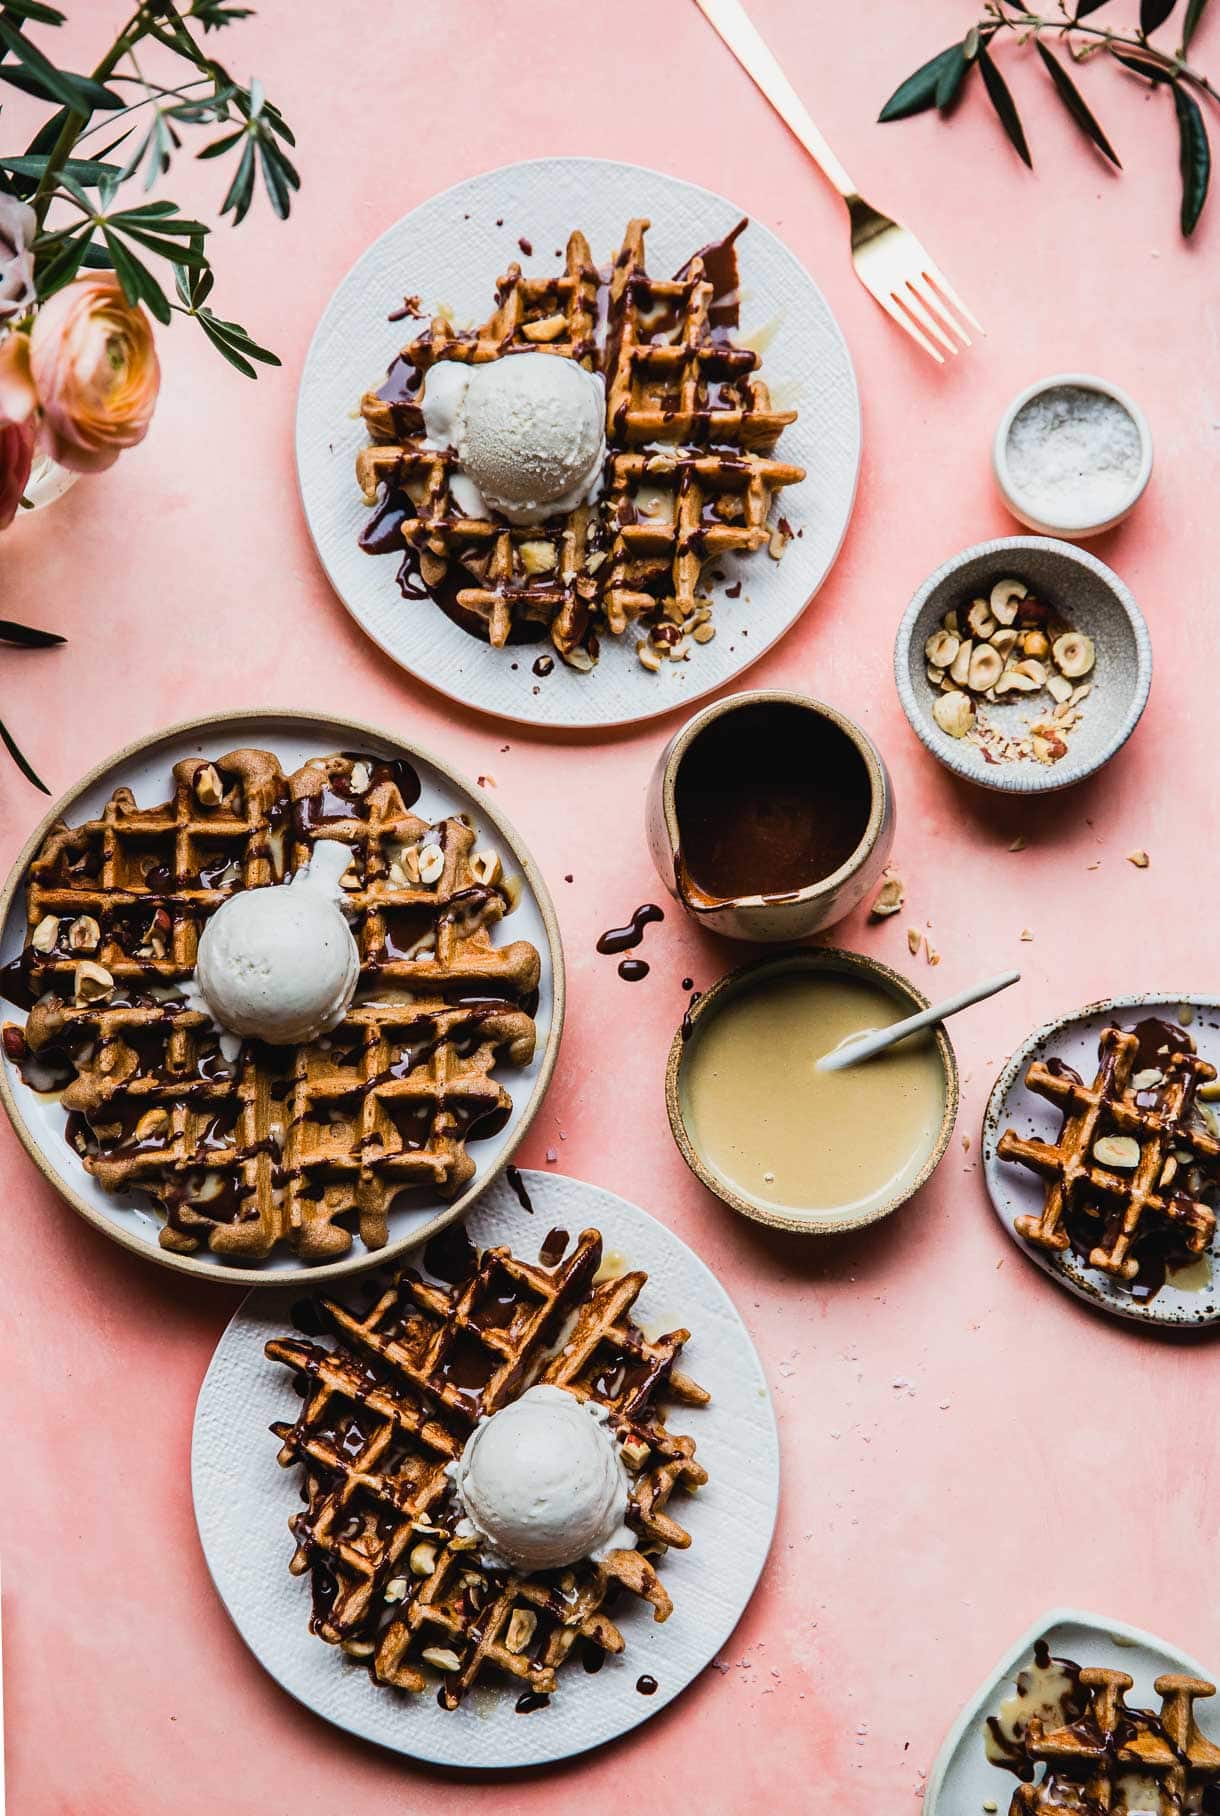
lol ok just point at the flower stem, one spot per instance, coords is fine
(75, 123)
(1174, 67)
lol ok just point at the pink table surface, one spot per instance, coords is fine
(1038, 1454)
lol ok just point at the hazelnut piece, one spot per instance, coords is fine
(1073, 653)
(889, 898)
(209, 789)
(46, 934)
(91, 982)
(979, 619)
(959, 669)
(941, 648)
(1121, 1151)
(431, 864)
(441, 1658)
(485, 867)
(1004, 597)
(84, 935)
(986, 666)
(954, 714)
(521, 1625)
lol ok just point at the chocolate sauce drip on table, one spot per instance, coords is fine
(592, 1657)
(621, 939)
(688, 1018)
(544, 666)
(513, 1175)
(633, 970)
(769, 800)
(647, 1686)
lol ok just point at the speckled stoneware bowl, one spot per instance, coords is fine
(1091, 598)
(814, 1222)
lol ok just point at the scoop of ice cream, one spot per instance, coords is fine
(542, 1483)
(529, 430)
(280, 964)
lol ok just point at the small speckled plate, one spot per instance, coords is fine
(1016, 1191)
(963, 1780)
(1091, 598)
(243, 1501)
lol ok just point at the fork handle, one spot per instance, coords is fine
(730, 20)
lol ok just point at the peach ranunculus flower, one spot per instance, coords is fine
(18, 423)
(96, 373)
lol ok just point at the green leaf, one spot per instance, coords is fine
(79, 93)
(223, 347)
(82, 170)
(1153, 13)
(14, 752)
(951, 79)
(35, 12)
(1001, 99)
(1089, 6)
(214, 15)
(219, 146)
(1194, 156)
(1151, 72)
(1194, 18)
(139, 284)
(241, 189)
(59, 270)
(919, 91)
(97, 258)
(166, 249)
(27, 636)
(1076, 104)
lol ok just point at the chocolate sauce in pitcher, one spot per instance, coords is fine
(770, 799)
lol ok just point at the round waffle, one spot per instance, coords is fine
(352, 1146)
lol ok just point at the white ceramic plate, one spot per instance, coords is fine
(1016, 1191)
(145, 768)
(962, 1779)
(243, 1501)
(450, 251)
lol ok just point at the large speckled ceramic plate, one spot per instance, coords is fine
(450, 251)
(243, 1501)
(1190, 1300)
(130, 1218)
(964, 1781)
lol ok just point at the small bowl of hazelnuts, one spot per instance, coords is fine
(1023, 664)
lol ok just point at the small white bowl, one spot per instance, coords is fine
(1072, 529)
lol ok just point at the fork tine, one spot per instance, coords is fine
(940, 309)
(905, 321)
(923, 311)
(949, 293)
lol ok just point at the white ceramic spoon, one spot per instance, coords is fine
(870, 1041)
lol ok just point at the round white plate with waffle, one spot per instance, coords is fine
(133, 1218)
(244, 1500)
(1181, 1297)
(448, 254)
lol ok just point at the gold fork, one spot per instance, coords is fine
(889, 260)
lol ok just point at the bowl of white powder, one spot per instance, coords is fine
(1072, 455)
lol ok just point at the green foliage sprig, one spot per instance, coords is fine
(939, 82)
(145, 123)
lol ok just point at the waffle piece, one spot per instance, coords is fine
(688, 475)
(383, 1414)
(1110, 1211)
(274, 1144)
(1102, 1761)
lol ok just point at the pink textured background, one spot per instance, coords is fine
(1071, 1461)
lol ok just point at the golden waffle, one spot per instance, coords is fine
(388, 1408)
(280, 1144)
(688, 477)
(1114, 1199)
(1098, 1763)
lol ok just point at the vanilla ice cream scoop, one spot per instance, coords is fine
(542, 1483)
(280, 964)
(529, 430)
